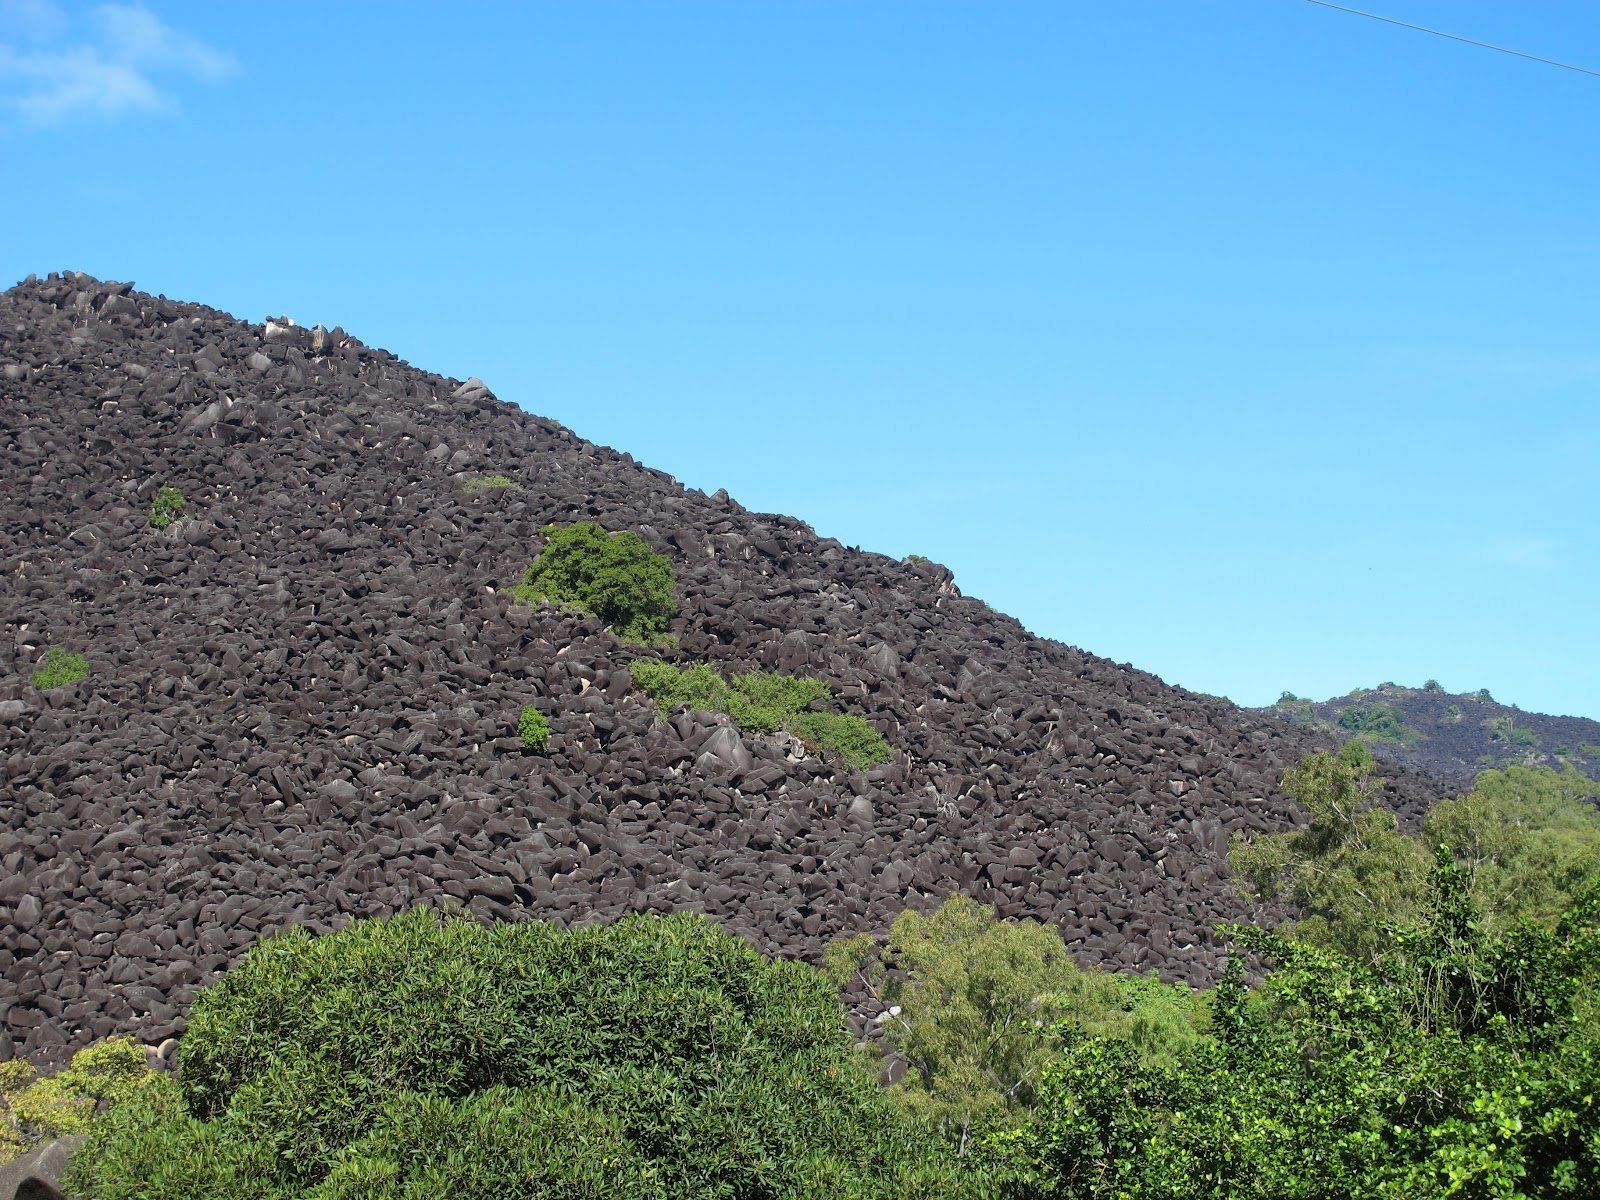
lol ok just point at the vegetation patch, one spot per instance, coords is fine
(421, 1057)
(60, 668)
(34, 1110)
(765, 702)
(1292, 708)
(1378, 722)
(167, 507)
(614, 576)
(1505, 729)
(475, 484)
(533, 727)
(977, 1007)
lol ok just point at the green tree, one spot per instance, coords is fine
(1351, 872)
(418, 1057)
(973, 1003)
(1528, 839)
(615, 576)
(1450, 1066)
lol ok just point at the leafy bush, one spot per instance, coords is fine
(1505, 729)
(765, 702)
(490, 483)
(973, 1005)
(1432, 685)
(1377, 722)
(614, 576)
(35, 1110)
(167, 507)
(60, 668)
(1352, 871)
(1527, 840)
(533, 727)
(1451, 1067)
(1292, 708)
(422, 1057)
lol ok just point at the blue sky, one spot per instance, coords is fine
(1254, 343)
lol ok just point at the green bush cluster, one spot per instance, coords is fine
(1504, 728)
(420, 1057)
(1451, 1066)
(975, 1006)
(1378, 722)
(475, 484)
(614, 576)
(33, 1110)
(60, 668)
(533, 727)
(765, 702)
(1293, 708)
(167, 507)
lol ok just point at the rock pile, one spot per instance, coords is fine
(303, 695)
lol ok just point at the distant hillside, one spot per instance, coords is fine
(1450, 736)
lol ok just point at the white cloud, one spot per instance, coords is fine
(113, 72)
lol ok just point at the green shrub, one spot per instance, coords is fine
(35, 1110)
(615, 576)
(533, 728)
(167, 507)
(490, 483)
(1378, 722)
(765, 702)
(1432, 685)
(972, 1003)
(1453, 1067)
(420, 1057)
(1292, 708)
(60, 668)
(1505, 729)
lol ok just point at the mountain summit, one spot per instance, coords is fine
(264, 664)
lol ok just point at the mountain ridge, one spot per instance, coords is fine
(1452, 736)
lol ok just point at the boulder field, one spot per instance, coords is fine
(302, 696)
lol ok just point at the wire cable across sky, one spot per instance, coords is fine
(1456, 37)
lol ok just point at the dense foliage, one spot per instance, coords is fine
(765, 702)
(974, 1006)
(419, 1057)
(1526, 838)
(1453, 1065)
(1352, 871)
(615, 576)
(1378, 722)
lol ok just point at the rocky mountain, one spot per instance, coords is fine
(1452, 737)
(302, 694)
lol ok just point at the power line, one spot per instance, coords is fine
(1457, 38)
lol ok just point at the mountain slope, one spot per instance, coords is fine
(303, 695)
(1452, 737)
